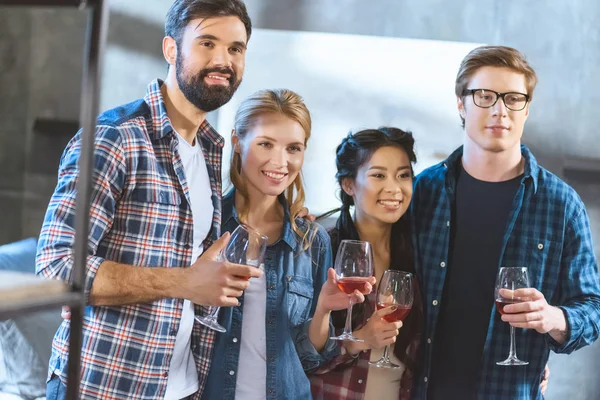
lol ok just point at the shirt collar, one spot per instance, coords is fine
(452, 163)
(161, 123)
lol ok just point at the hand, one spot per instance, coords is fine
(377, 333)
(304, 213)
(216, 283)
(534, 313)
(544, 383)
(332, 298)
(65, 313)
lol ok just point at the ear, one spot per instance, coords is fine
(348, 186)
(169, 48)
(461, 108)
(235, 141)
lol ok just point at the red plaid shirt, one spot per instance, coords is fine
(345, 377)
(139, 215)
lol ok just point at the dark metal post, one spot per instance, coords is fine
(90, 93)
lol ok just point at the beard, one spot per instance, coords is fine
(205, 97)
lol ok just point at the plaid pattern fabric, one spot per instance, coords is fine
(139, 215)
(345, 377)
(548, 232)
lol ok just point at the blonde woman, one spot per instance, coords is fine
(271, 339)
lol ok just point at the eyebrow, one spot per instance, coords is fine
(385, 169)
(213, 37)
(274, 140)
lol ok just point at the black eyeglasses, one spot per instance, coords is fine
(486, 98)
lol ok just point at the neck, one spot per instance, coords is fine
(378, 234)
(261, 208)
(185, 117)
(492, 166)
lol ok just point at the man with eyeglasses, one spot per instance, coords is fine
(490, 205)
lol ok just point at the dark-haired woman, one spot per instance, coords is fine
(374, 171)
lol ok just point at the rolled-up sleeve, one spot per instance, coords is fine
(55, 251)
(580, 286)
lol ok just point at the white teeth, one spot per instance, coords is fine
(217, 77)
(274, 175)
(390, 202)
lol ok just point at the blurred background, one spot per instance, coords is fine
(357, 63)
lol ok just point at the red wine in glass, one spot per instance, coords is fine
(398, 315)
(350, 284)
(510, 279)
(395, 289)
(501, 303)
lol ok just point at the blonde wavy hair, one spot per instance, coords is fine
(290, 105)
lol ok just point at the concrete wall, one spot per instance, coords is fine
(40, 73)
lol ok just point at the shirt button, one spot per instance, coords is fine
(540, 246)
(166, 374)
(271, 391)
(271, 322)
(231, 373)
(174, 332)
(272, 359)
(234, 340)
(435, 303)
(360, 381)
(187, 246)
(425, 379)
(429, 340)
(272, 287)
(442, 264)
(447, 223)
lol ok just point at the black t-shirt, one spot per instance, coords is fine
(480, 217)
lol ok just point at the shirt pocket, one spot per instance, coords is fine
(542, 258)
(150, 195)
(300, 295)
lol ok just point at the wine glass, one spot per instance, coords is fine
(354, 268)
(246, 246)
(395, 290)
(511, 278)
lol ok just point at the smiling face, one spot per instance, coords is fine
(272, 153)
(210, 60)
(382, 189)
(494, 129)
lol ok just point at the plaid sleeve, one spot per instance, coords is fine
(55, 251)
(580, 293)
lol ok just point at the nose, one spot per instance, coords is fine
(500, 108)
(279, 158)
(221, 57)
(393, 187)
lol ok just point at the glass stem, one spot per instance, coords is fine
(385, 356)
(348, 327)
(214, 312)
(513, 350)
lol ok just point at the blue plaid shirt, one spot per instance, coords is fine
(548, 232)
(140, 215)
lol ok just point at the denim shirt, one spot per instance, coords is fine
(294, 278)
(548, 232)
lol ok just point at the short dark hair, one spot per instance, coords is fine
(183, 11)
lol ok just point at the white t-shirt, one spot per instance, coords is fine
(251, 383)
(183, 376)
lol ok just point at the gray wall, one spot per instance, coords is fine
(40, 76)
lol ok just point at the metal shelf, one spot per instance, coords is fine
(21, 294)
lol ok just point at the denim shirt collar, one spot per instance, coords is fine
(532, 169)
(288, 236)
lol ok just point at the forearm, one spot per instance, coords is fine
(120, 284)
(560, 333)
(318, 330)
